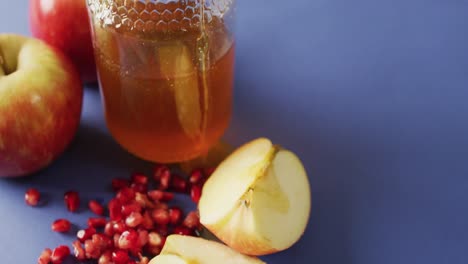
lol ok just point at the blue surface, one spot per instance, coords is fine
(372, 96)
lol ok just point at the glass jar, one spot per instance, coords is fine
(166, 70)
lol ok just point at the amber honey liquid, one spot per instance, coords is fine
(167, 93)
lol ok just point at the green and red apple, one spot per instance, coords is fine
(41, 99)
(65, 25)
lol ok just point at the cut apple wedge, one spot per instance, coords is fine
(258, 200)
(180, 249)
(177, 66)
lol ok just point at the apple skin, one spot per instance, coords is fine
(41, 98)
(65, 25)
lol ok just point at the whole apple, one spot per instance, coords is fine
(65, 25)
(41, 98)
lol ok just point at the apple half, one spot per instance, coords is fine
(180, 249)
(258, 201)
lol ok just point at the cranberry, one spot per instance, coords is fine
(59, 254)
(45, 256)
(96, 207)
(32, 197)
(61, 226)
(97, 222)
(72, 201)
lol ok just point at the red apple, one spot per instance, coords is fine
(65, 25)
(41, 98)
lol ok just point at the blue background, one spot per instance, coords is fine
(371, 94)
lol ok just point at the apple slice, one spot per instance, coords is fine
(258, 200)
(178, 68)
(169, 259)
(180, 249)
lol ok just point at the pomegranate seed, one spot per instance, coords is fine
(96, 207)
(155, 239)
(209, 171)
(182, 230)
(195, 193)
(91, 250)
(165, 181)
(78, 250)
(61, 226)
(97, 222)
(106, 258)
(102, 242)
(139, 178)
(119, 227)
(118, 184)
(85, 234)
(143, 260)
(134, 219)
(179, 184)
(116, 240)
(32, 197)
(115, 210)
(196, 176)
(132, 207)
(59, 254)
(161, 216)
(109, 229)
(128, 239)
(175, 215)
(143, 200)
(157, 195)
(163, 230)
(45, 256)
(139, 188)
(164, 206)
(120, 257)
(160, 171)
(72, 201)
(154, 251)
(142, 238)
(192, 220)
(125, 195)
(147, 222)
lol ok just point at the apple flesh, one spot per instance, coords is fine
(258, 200)
(40, 104)
(65, 25)
(180, 249)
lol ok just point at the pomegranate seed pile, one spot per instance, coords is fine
(132, 227)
